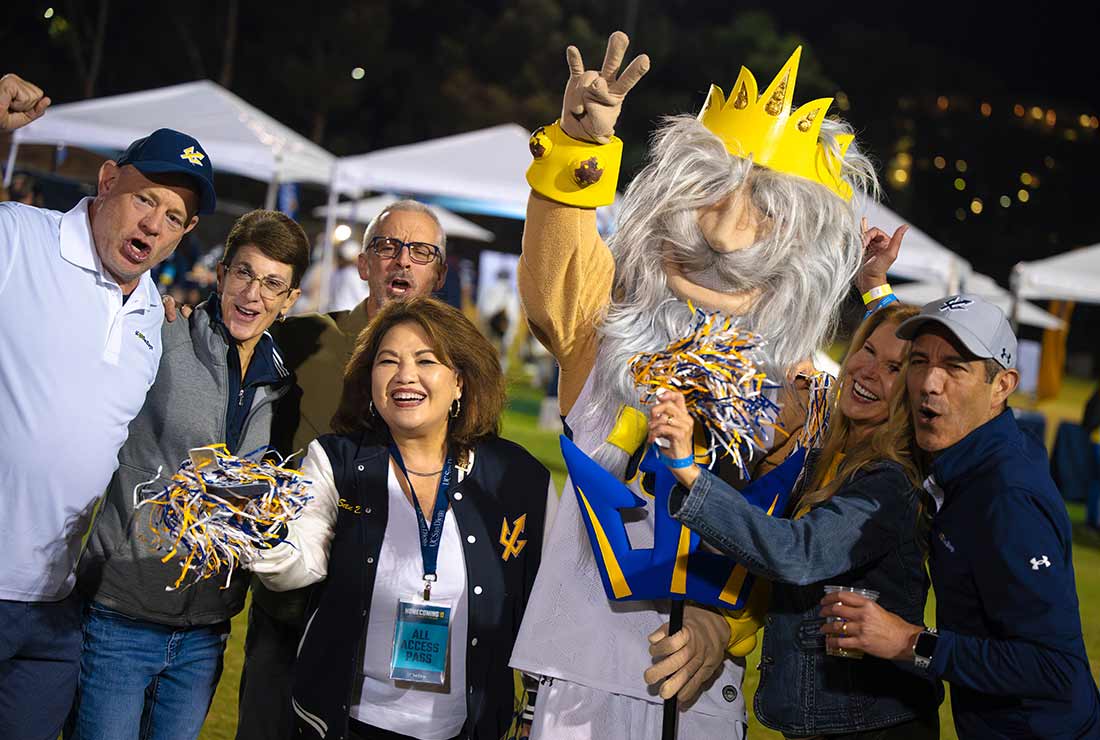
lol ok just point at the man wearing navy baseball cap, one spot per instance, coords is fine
(1000, 555)
(80, 343)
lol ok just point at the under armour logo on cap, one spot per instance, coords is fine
(1043, 561)
(955, 303)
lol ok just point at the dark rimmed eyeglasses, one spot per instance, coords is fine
(270, 287)
(388, 247)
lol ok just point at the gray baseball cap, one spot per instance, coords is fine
(981, 327)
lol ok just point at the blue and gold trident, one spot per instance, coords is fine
(675, 567)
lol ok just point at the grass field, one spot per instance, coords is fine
(520, 426)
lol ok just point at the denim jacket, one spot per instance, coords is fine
(867, 536)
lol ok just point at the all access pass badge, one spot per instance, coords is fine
(420, 640)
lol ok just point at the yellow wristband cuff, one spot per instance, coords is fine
(879, 291)
(576, 173)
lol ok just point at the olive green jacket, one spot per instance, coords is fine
(315, 347)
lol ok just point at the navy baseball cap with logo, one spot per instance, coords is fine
(980, 326)
(166, 150)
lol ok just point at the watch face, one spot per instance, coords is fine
(925, 645)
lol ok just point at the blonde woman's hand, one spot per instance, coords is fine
(671, 428)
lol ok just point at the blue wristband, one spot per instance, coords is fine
(676, 462)
(884, 302)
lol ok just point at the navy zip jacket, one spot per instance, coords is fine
(1006, 601)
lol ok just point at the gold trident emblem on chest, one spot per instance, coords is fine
(509, 537)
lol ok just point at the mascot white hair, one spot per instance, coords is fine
(746, 209)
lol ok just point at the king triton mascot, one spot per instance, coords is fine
(746, 209)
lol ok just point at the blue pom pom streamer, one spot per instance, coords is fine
(221, 512)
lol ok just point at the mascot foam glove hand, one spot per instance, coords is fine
(577, 159)
(689, 657)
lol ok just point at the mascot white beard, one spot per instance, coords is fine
(794, 276)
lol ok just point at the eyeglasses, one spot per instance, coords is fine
(240, 277)
(388, 247)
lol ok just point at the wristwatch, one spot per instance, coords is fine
(923, 647)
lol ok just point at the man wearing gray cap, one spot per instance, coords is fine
(1009, 628)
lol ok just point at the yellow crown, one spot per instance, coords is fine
(764, 129)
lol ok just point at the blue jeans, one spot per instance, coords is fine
(144, 680)
(39, 664)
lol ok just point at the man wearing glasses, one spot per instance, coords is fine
(404, 256)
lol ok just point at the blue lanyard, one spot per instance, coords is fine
(430, 537)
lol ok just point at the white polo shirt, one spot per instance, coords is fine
(75, 365)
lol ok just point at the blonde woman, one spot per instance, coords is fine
(858, 521)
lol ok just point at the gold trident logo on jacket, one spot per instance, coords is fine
(509, 537)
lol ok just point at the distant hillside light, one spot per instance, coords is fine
(842, 101)
(1036, 112)
(960, 184)
(987, 109)
(1051, 117)
(1005, 201)
(960, 214)
(1018, 110)
(358, 73)
(976, 206)
(899, 177)
(942, 102)
(1049, 162)
(1023, 196)
(1084, 120)
(939, 162)
(960, 165)
(48, 14)
(1025, 178)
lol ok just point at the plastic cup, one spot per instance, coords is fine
(841, 590)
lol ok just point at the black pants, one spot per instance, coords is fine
(921, 728)
(270, 648)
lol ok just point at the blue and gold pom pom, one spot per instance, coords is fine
(220, 511)
(716, 368)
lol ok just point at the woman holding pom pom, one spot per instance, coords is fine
(427, 528)
(859, 521)
(152, 654)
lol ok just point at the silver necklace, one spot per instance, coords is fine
(423, 475)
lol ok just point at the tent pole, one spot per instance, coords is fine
(323, 298)
(1014, 285)
(10, 169)
(272, 193)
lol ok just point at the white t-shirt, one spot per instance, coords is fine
(75, 365)
(416, 711)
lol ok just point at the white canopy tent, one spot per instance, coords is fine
(239, 137)
(1071, 276)
(362, 211)
(918, 294)
(487, 165)
(922, 258)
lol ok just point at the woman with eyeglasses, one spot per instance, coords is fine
(152, 656)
